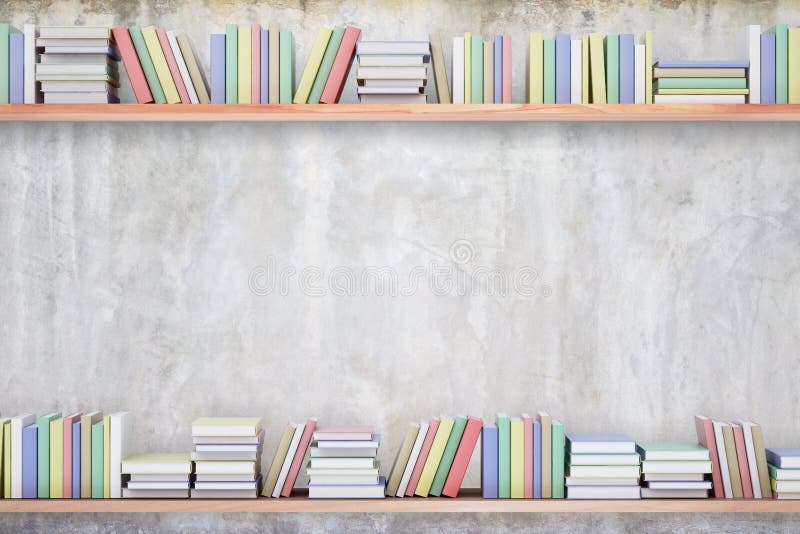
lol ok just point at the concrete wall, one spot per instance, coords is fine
(622, 277)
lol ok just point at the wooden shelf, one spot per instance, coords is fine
(399, 113)
(469, 503)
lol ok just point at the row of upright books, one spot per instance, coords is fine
(481, 69)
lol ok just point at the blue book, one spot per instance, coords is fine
(30, 458)
(264, 67)
(498, 69)
(76, 460)
(537, 460)
(563, 62)
(217, 68)
(768, 68)
(489, 462)
(710, 64)
(784, 458)
(549, 63)
(627, 68)
(16, 77)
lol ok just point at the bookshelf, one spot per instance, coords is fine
(400, 113)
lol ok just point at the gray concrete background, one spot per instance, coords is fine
(666, 261)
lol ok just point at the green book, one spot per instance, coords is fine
(549, 62)
(503, 423)
(43, 454)
(476, 70)
(147, 65)
(231, 63)
(612, 69)
(449, 454)
(5, 31)
(701, 83)
(286, 62)
(558, 460)
(326, 65)
(97, 460)
(777, 473)
(781, 32)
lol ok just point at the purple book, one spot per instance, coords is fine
(16, 74)
(264, 67)
(498, 69)
(768, 68)
(30, 438)
(563, 62)
(489, 461)
(76, 460)
(217, 68)
(711, 64)
(627, 68)
(537, 460)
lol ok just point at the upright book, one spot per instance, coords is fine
(489, 462)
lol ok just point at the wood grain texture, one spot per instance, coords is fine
(399, 113)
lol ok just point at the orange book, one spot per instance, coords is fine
(741, 455)
(173, 65)
(423, 456)
(461, 460)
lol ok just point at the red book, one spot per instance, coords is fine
(461, 460)
(299, 456)
(255, 65)
(507, 72)
(341, 68)
(527, 425)
(705, 437)
(132, 65)
(423, 456)
(67, 459)
(173, 65)
(741, 455)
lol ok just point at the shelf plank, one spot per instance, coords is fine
(400, 113)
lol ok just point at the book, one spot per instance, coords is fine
(18, 423)
(6, 30)
(174, 70)
(749, 46)
(715, 92)
(537, 460)
(784, 458)
(183, 70)
(29, 461)
(600, 444)
(547, 454)
(286, 61)
(75, 32)
(448, 455)
(517, 458)
(603, 492)
(218, 76)
(781, 33)
(733, 461)
(57, 458)
(600, 481)
(761, 457)
(232, 467)
(342, 463)
(752, 467)
(312, 66)
(549, 68)
(603, 459)
(723, 459)
(195, 72)
(393, 98)
(535, 64)
(160, 64)
(226, 426)
(76, 460)
(488, 72)
(395, 47)
(255, 64)
(597, 66)
(148, 67)
(227, 485)
(603, 471)
(264, 68)
(433, 428)
(287, 462)
(391, 73)
(649, 493)
(278, 460)
(67, 424)
(274, 63)
(786, 486)
(79, 86)
(391, 61)
(468, 67)
(133, 67)
(503, 423)
(344, 433)
(16, 68)
(699, 73)
(657, 450)
(389, 90)
(741, 458)
(676, 466)
(793, 59)
(30, 55)
(434, 456)
(120, 436)
(43, 454)
(782, 474)
(497, 89)
(412, 459)
(297, 461)
(106, 457)
(670, 485)
(527, 427)
(221, 447)
(231, 63)
(698, 99)
(6, 459)
(173, 485)
(326, 65)
(563, 65)
(439, 71)
(401, 460)
(506, 69)
(344, 480)
(703, 64)
(458, 70)
(627, 69)
(612, 68)
(325, 472)
(156, 464)
(585, 95)
(230, 440)
(347, 492)
(701, 83)
(341, 66)
(768, 58)
(576, 68)
(667, 477)
(162, 494)
(489, 462)
(557, 433)
(97, 460)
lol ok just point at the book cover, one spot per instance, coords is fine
(86, 452)
(458, 70)
(341, 66)
(749, 46)
(302, 447)
(172, 65)
(506, 69)
(476, 69)
(57, 458)
(244, 62)
(274, 63)
(627, 69)
(133, 67)
(448, 455)
(733, 461)
(434, 456)
(6, 30)
(585, 70)
(412, 459)
(517, 457)
(557, 433)
(781, 33)
(527, 424)
(768, 60)
(30, 443)
(503, 423)
(312, 66)
(784, 458)
(469, 439)
(161, 66)
(401, 460)
(468, 68)
(106, 456)
(16, 68)
(497, 89)
(43, 453)
(18, 423)
(279, 458)
(549, 67)
(326, 65)
(32, 95)
(255, 64)
(76, 460)
(576, 67)
(7, 460)
(149, 69)
(489, 461)
(741, 459)
(612, 68)
(286, 67)
(264, 68)
(597, 68)
(433, 429)
(120, 437)
(639, 74)
(537, 460)
(547, 455)
(536, 69)
(563, 76)
(488, 72)
(231, 63)
(97, 460)
(761, 458)
(218, 75)
(439, 71)
(66, 428)
(183, 69)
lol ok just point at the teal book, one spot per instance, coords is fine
(612, 69)
(231, 63)
(549, 71)
(447, 456)
(5, 32)
(476, 70)
(701, 83)
(326, 65)
(97, 460)
(43, 454)
(286, 62)
(781, 32)
(147, 65)
(503, 423)
(559, 445)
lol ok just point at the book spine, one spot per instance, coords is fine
(56, 458)
(341, 66)
(29, 461)
(576, 66)
(733, 462)
(558, 461)
(489, 462)
(468, 68)
(741, 458)
(326, 65)
(16, 68)
(160, 64)
(466, 447)
(498, 69)
(6, 458)
(132, 65)
(639, 74)
(244, 61)
(547, 457)
(106, 457)
(536, 69)
(458, 70)
(97, 460)
(312, 66)
(76, 460)
(32, 95)
(439, 70)
(761, 461)
(264, 68)
(183, 69)
(231, 63)
(286, 67)
(648, 67)
(627, 68)
(597, 69)
(274, 64)
(612, 68)
(506, 69)
(750, 47)
(705, 437)
(527, 424)
(549, 66)
(218, 72)
(43, 460)
(448, 455)
(768, 60)
(149, 69)
(517, 474)
(781, 32)
(503, 458)
(5, 33)
(172, 65)
(563, 68)
(488, 72)
(537, 460)
(476, 69)
(66, 491)
(255, 64)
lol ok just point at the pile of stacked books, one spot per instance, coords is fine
(522, 458)
(157, 476)
(288, 458)
(675, 470)
(602, 466)
(481, 70)
(392, 72)
(784, 473)
(700, 82)
(80, 65)
(227, 457)
(18, 56)
(343, 464)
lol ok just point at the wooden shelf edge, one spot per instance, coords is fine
(400, 113)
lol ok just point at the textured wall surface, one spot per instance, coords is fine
(622, 277)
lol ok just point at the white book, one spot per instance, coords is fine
(393, 99)
(340, 480)
(391, 60)
(648, 493)
(225, 467)
(30, 64)
(639, 74)
(249, 485)
(148, 477)
(226, 426)
(698, 99)
(120, 441)
(80, 98)
(227, 447)
(600, 471)
(393, 83)
(747, 428)
(251, 456)
(17, 424)
(675, 466)
(72, 43)
(158, 485)
(749, 46)
(672, 485)
(316, 452)
(187, 80)
(224, 494)
(78, 86)
(313, 472)
(603, 492)
(412, 459)
(75, 32)
(287, 462)
(422, 48)
(582, 481)
(389, 90)
(227, 478)
(723, 458)
(75, 59)
(786, 486)
(157, 464)
(229, 440)
(392, 73)
(373, 443)
(98, 49)
(576, 71)
(787, 496)
(342, 463)
(603, 459)
(101, 68)
(348, 492)
(154, 494)
(458, 70)
(600, 444)
(673, 477)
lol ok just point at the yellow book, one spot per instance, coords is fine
(517, 459)
(6, 460)
(160, 63)
(648, 67)
(245, 64)
(57, 458)
(585, 69)
(467, 68)
(794, 65)
(488, 72)
(434, 456)
(106, 457)
(536, 69)
(597, 65)
(312, 66)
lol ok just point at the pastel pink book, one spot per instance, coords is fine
(527, 425)
(341, 67)
(173, 65)
(463, 454)
(344, 433)
(507, 74)
(67, 460)
(423, 456)
(741, 455)
(255, 66)
(705, 437)
(132, 65)
(299, 456)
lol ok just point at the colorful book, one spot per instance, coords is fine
(97, 460)
(597, 68)
(576, 67)
(439, 71)
(17, 425)
(783, 458)
(527, 424)
(148, 67)
(183, 69)
(458, 70)
(412, 459)
(218, 71)
(563, 65)
(422, 458)
(466, 447)
(30, 444)
(286, 67)
(549, 68)
(434, 456)
(627, 69)
(536, 69)
(274, 63)
(448, 455)
(781, 33)
(489, 461)
(585, 97)
(32, 96)
(244, 62)
(547, 455)
(132, 65)
(537, 460)
(264, 68)
(57, 458)
(517, 457)
(106, 456)
(768, 60)
(733, 461)
(66, 428)
(160, 64)
(231, 63)
(255, 64)
(476, 69)
(76, 460)
(86, 452)
(741, 459)
(341, 66)
(497, 49)
(43, 453)
(312, 66)
(279, 458)
(302, 447)
(172, 65)
(612, 68)
(488, 72)
(326, 65)
(401, 460)
(6, 30)
(503, 423)
(749, 46)
(691, 92)
(557, 433)
(506, 69)
(468, 68)
(16, 68)
(701, 83)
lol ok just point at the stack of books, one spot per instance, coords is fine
(79, 65)
(602, 466)
(288, 459)
(392, 72)
(157, 476)
(343, 464)
(481, 69)
(227, 457)
(784, 473)
(18, 57)
(700, 82)
(675, 470)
